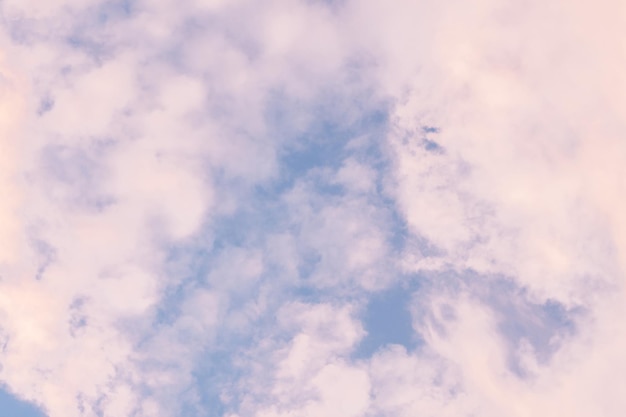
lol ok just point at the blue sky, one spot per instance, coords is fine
(14, 407)
(311, 208)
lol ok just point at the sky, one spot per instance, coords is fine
(312, 208)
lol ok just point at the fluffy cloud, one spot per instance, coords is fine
(199, 199)
(310, 373)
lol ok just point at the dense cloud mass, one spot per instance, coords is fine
(205, 205)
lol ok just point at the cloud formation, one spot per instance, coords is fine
(201, 200)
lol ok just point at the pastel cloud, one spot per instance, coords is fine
(198, 205)
(10, 114)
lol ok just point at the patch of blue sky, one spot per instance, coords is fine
(323, 144)
(169, 308)
(197, 403)
(320, 149)
(263, 213)
(266, 212)
(322, 140)
(10, 406)
(186, 265)
(309, 294)
(215, 374)
(309, 261)
(387, 320)
(399, 235)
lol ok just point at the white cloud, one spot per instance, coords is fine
(130, 132)
(512, 191)
(11, 111)
(310, 375)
